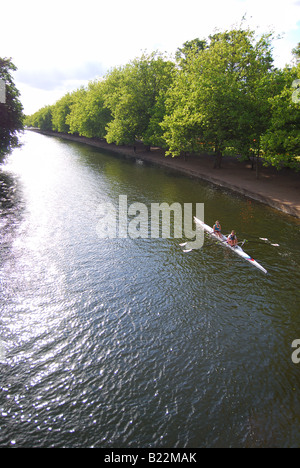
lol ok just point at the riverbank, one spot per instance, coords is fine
(280, 190)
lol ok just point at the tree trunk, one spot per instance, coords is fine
(257, 162)
(218, 159)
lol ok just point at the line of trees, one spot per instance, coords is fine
(222, 94)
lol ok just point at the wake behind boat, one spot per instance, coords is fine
(223, 240)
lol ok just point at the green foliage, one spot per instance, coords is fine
(135, 97)
(60, 112)
(41, 119)
(221, 94)
(75, 117)
(218, 99)
(189, 47)
(44, 118)
(88, 117)
(11, 112)
(296, 53)
(281, 141)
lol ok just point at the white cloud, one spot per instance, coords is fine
(65, 40)
(53, 77)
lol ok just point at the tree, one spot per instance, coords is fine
(11, 111)
(88, 116)
(76, 115)
(60, 111)
(222, 95)
(261, 82)
(134, 95)
(195, 46)
(218, 99)
(162, 78)
(296, 53)
(43, 119)
(281, 141)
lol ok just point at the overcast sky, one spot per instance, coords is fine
(62, 44)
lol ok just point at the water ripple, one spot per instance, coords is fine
(131, 343)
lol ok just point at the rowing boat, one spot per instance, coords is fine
(223, 240)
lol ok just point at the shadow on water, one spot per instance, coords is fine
(11, 211)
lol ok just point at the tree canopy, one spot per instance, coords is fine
(220, 97)
(11, 110)
(281, 140)
(135, 96)
(221, 94)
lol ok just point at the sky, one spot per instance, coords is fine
(61, 45)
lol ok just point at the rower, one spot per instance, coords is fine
(232, 239)
(217, 229)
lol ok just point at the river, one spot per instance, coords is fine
(131, 342)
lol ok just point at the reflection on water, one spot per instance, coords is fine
(131, 343)
(11, 208)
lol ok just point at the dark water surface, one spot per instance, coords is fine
(131, 343)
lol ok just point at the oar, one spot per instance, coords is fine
(262, 243)
(264, 239)
(184, 244)
(185, 250)
(269, 242)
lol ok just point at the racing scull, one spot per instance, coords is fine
(223, 240)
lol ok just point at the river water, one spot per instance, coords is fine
(131, 342)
